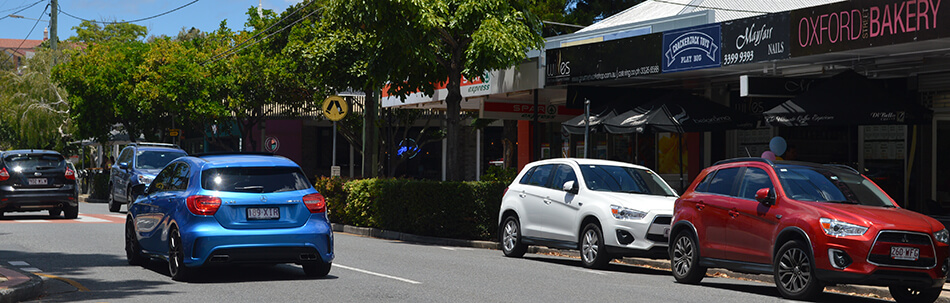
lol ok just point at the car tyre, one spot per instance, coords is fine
(133, 251)
(176, 257)
(317, 269)
(54, 212)
(113, 205)
(510, 234)
(70, 211)
(684, 259)
(904, 294)
(593, 249)
(794, 272)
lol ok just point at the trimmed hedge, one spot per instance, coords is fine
(462, 210)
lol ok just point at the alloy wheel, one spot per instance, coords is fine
(590, 246)
(794, 270)
(683, 256)
(510, 237)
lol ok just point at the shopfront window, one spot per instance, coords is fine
(942, 165)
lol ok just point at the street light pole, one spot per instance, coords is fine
(52, 27)
(586, 127)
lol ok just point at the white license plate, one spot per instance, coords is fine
(37, 181)
(905, 253)
(263, 213)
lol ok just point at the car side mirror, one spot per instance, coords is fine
(765, 196)
(570, 186)
(124, 165)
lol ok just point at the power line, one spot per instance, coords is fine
(131, 21)
(242, 45)
(712, 7)
(24, 7)
(27, 36)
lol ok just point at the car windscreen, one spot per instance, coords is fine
(254, 179)
(624, 179)
(35, 162)
(153, 159)
(816, 184)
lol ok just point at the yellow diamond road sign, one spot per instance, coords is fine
(335, 108)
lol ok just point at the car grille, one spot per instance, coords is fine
(881, 249)
(656, 231)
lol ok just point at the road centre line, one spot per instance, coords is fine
(376, 274)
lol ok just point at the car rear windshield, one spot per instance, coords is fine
(254, 179)
(153, 159)
(816, 184)
(624, 179)
(35, 161)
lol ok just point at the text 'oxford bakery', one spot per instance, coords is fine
(895, 17)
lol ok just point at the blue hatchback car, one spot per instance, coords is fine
(230, 208)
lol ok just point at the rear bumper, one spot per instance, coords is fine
(37, 199)
(212, 243)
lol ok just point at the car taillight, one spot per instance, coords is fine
(70, 174)
(315, 203)
(505, 193)
(203, 205)
(4, 175)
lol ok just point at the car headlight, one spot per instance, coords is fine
(943, 236)
(840, 229)
(623, 213)
(145, 179)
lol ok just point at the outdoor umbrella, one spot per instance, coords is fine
(845, 99)
(678, 112)
(576, 125)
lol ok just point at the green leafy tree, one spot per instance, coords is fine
(414, 45)
(89, 31)
(33, 108)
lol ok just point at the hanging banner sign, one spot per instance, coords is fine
(692, 48)
(756, 39)
(859, 24)
(608, 60)
(525, 111)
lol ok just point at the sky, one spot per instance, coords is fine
(205, 15)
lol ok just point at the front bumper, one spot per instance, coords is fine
(212, 243)
(868, 268)
(648, 237)
(15, 199)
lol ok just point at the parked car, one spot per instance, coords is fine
(36, 180)
(136, 167)
(809, 225)
(230, 208)
(605, 209)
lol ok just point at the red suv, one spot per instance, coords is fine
(809, 225)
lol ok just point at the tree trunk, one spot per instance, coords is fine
(370, 136)
(453, 109)
(509, 140)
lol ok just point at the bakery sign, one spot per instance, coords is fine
(755, 39)
(525, 111)
(691, 48)
(859, 24)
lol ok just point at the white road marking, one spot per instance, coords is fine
(30, 269)
(19, 263)
(590, 271)
(377, 274)
(31, 221)
(91, 219)
(455, 248)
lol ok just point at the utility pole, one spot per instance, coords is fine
(52, 27)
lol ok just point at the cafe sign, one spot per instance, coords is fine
(859, 24)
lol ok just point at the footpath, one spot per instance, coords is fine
(17, 285)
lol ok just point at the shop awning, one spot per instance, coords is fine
(578, 124)
(678, 112)
(847, 98)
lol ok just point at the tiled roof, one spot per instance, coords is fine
(18, 46)
(725, 10)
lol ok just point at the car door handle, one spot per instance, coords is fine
(522, 195)
(700, 206)
(733, 213)
(547, 201)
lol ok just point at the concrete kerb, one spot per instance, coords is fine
(871, 291)
(19, 285)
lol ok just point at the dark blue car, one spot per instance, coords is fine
(230, 208)
(137, 165)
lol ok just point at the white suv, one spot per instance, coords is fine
(605, 209)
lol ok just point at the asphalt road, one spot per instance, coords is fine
(84, 261)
